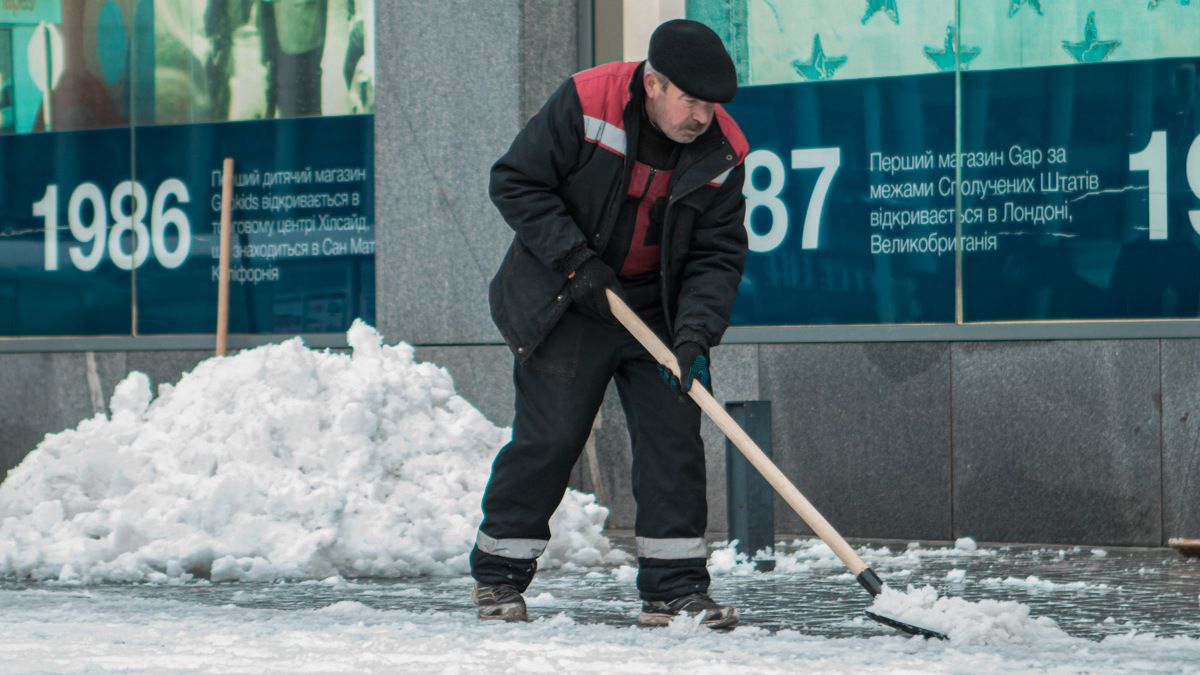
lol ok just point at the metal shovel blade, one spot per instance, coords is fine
(906, 627)
(874, 586)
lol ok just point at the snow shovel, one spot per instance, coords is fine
(865, 575)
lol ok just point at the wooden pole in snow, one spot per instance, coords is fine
(223, 278)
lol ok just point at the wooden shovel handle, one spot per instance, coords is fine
(740, 438)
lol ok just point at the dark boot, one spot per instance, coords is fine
(660, 612)
(499, 603)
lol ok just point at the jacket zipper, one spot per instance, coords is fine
(649, 182)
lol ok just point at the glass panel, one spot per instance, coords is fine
(1080, 124)
(849, 112)
(285, 88)
(66, 241)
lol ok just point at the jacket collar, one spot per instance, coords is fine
(692, 153)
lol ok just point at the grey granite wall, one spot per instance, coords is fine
(1180, 403)
(455, 82)
(1058, 441)
(48, 392)
(863, 430)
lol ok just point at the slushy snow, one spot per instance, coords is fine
(279, 462)
(87, 631)
(987, 622)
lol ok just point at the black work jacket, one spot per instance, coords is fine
(560, 187)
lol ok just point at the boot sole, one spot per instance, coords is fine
(510, 616)
(512, 612)
(721, 623)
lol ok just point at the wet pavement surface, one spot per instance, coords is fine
(1090, 592)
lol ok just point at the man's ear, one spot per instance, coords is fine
(651, 84)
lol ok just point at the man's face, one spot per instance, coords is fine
(681, 117)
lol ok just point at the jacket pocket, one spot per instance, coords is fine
(559, 352)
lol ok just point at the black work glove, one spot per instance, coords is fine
(693, 365)
(587, 285)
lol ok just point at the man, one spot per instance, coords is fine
(630, 178)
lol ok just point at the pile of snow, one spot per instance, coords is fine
(987, 622)
(276, 463)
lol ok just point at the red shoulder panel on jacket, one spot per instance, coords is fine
(604, 90)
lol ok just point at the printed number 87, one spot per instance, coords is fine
(826, 159)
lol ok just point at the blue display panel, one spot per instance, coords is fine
(78, 233)
(830, 227)
(1090, 180)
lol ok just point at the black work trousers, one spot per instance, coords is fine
(558, 392)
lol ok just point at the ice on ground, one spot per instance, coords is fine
(987, 622)
(279, 462)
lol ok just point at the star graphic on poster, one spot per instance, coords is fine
(944, 58)
(1015, 6)
(886, 6)
(1091, 49)
(1154, 3)
(820, 66)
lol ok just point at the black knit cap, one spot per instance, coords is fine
(692, 56)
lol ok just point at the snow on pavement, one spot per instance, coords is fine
(72, 632)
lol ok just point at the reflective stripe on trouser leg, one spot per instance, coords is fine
(672, 549)
(523, 549)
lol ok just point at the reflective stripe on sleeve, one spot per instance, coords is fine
(672, 549)
(607, 136)
(522, 549)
